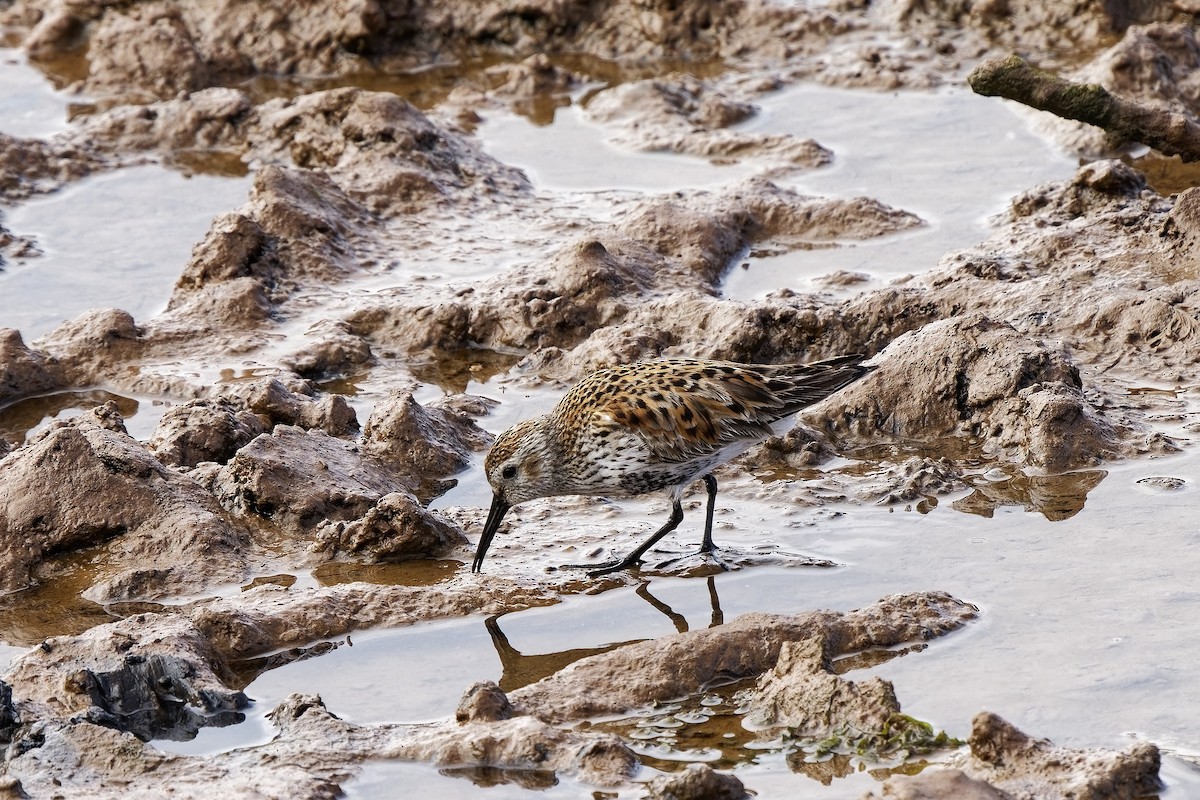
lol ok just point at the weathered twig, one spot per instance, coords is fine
(1125, 121)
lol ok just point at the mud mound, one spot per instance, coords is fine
(981, 382)
(159, 530)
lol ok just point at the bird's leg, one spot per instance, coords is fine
(635, 558)
(708, 550)
(707, 545)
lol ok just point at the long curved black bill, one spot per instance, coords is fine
(495, 517)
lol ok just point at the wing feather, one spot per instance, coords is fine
(690, 409)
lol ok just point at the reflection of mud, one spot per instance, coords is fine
(866, 659)
(453, 370)
(826, 770)
(21, 416)
(198, 161)
(1166, 175)
(1056, 497)
(425, 88)
(486, 777)
(54, 607)
(246, 672)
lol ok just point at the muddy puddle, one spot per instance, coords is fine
(380, 779)
(1084, 578)
(111, 240)
(24, 419)
(27, 106)
(903, 163)
(574, 155)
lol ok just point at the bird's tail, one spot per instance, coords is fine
(801, 385)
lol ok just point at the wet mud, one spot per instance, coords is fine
(287, 454)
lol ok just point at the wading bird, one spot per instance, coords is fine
(648, 426)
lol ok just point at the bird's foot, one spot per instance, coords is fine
(605, 567)
(614, 566)
(707, 555)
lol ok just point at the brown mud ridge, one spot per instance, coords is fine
(256, 477)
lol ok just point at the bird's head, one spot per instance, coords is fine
(519, 467)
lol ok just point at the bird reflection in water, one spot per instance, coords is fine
(519, 669)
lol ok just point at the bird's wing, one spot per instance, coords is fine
(686, 411)
(798, 386)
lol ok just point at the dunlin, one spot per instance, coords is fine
(649, 426)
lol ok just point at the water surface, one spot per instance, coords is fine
(112, 240)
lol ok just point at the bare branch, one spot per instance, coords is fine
(1015, 78)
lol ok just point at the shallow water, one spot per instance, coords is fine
(23, 419)
(28, 106)
(380, 779)
(113, 240)
(900, 159)
(116, 239)
(1081, 638)
(1086, 602)
(573, 155)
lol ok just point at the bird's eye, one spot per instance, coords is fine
(509, 472)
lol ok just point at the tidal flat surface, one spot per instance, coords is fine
(1086, 594)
